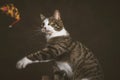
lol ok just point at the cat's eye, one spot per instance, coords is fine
(51, 23)
(48, 23)
(43, 24)
(56, 25)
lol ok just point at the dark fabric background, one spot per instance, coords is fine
(93, 22)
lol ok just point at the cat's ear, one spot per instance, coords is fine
(42, 17)
(57, 15)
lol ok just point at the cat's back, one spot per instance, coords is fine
(84, 63)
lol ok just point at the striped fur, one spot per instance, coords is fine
(78, 62)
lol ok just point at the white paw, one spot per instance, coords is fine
(23, 63)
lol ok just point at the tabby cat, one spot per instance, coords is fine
(71, 57)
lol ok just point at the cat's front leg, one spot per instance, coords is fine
(24, 62)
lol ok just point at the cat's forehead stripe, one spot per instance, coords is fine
(46, 21)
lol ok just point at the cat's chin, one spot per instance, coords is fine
(47, 32)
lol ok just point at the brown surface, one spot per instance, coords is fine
(94, 23)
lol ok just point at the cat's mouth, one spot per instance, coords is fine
(44, 30)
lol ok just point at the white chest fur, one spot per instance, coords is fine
(63, 32)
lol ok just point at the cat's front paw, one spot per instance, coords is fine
(23, 63)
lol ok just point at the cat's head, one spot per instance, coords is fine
(53, 26)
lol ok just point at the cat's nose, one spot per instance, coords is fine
(43, 29)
